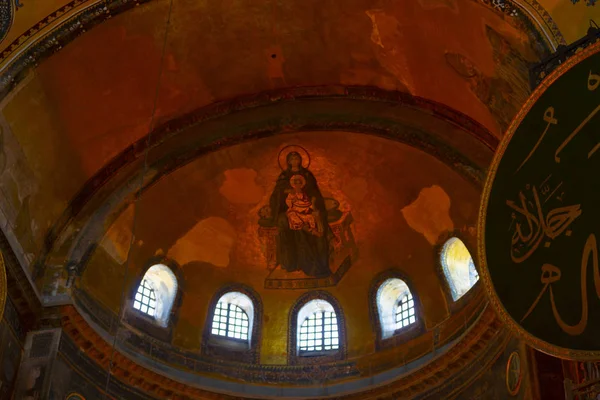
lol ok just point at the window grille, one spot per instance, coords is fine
(319, 332)
(230, 321)
(405, 311)
(145, 299)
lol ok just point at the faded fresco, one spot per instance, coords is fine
(19, 189)
(28, 207)
(504, 91)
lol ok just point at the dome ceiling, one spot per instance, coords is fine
(96, 96)
(395, 107)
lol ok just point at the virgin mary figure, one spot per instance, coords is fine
(300, 247)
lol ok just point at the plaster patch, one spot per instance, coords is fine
(387, 34)
(240, 186)
(117, 240)
(210, 240)
(429, 214)
(375, 37)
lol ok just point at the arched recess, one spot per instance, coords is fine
(222, 346)
(386, 290)
(297, 316)
(451, 137)
(456, 269)
(155, 294)
(163, 277)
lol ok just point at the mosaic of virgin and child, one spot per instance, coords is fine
(297, 209)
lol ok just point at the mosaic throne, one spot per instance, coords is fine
(342, 246)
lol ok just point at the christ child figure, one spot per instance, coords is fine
(300, 212)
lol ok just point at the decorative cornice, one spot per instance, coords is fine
(24, 40)
(169, 358)
(538, 17)
(7, 14)
(52, 33)
(197, 362)
(546, 18)
(465, 361)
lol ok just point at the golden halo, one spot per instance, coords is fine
(282, 158)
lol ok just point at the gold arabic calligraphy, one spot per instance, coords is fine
(551, 274)
(593, 82)
(549, 118)
(529, 233)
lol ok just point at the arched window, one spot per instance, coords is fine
(318, 330)
(233, 325)
(458, 267)
(395, 306)
(156, 293)
(233, 317)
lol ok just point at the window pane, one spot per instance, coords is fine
(405, 311)
(232, 321)
(316, 332)
(144, 299)
(458, 267)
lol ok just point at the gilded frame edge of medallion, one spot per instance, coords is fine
(512, 326)
(74, 396)
(3, 285)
